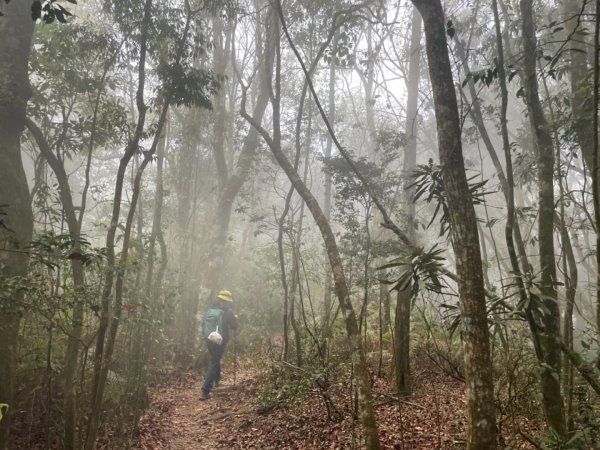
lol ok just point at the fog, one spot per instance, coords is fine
(376, 195)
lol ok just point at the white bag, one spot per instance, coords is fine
(215, 337)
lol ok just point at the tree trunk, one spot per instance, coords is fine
(404, 298)
(512, 229)
(481, 432)
(542, 140)
(16, 217)
(188, 167)
(231, 187)
(290, 291)
(363, 382)
(570, 270)
(579, 81)
(100, 359)
(327, 189)
(367, 413)
(402, 341)
(148, 314)
(596, 161)
(73, 224)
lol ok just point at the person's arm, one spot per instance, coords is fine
(231, 319)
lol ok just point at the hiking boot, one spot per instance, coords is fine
(204, 396)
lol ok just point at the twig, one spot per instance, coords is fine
(399, 400)
(215, 418)
(529, 439)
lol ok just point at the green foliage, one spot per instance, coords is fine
(189, 86)
(48, 11)
(352, 200)
(12, 288)
(434, 343)
(343, 54)
(536, 301)
(578, 440)
(424, 270)
(285, 386)
(483, 76)
(429, 184)
(389, 142)
(515, 371)
(69, 72)
(51, 250)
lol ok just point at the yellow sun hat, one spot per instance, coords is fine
(225, 295)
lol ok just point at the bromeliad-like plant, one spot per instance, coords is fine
(424, 269)
(429, 184)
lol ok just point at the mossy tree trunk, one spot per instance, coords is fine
(481, 431)
(16, 217)
(404, 298)
(544, 150)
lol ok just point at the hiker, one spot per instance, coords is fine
(217, 325)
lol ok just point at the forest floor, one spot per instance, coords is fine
(239, 416)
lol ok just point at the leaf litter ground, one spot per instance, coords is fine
(433, 417)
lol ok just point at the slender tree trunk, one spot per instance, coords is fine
(572, 11)
(550, 375)
(570, 270)
(16, 223)
(289, 291)
(520, 263)
(231, 188)
(363, 382)
(187, 168)
(596, 161)
(76, 258)
(327, 187)
(367, 414)
(296, 283)
(402, 341)
(481, 432)
(152, 288)
(404, 298)
(100, 359)
(477, 117)
(71, 425)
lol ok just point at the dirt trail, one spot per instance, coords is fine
(179, 420)
(433, 417)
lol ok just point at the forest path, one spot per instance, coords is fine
(179, 420)
(238, 416)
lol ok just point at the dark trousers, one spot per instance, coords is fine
(213, 374)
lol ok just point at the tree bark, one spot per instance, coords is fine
(404, 298)
(481, 432)
(230, 187)
(542, 140)
(16, 221)
(367, 413)
(100, 358)
(189, 166)
(596, 160)
(149, 313)
(327, 187)
(73, 224)
(579, 81)
(365, 398)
